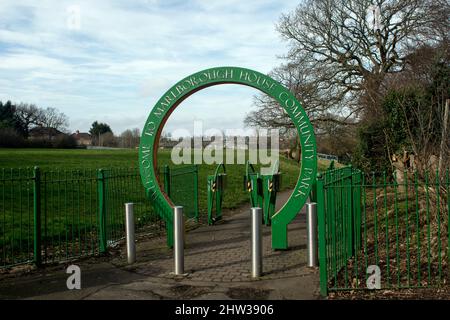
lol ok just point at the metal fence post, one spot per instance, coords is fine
(321, 231)
(357, 204)
(37, 215)
(129, 221)
(256, 242)
(313, 193)
(311, 216)
(101, 189)
(350, 213)
(210, 198)
(178, 246)
(167, 180)
(196, 192)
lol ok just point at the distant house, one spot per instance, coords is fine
(44, 133)
(82, 138)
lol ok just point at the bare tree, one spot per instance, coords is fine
(339, 57)
(136, 137)
(108, 139)
(348, 54)
(326, 115)
(129, 138)
(300, 80)
(52, 118)
(126, 139)
(29, 115)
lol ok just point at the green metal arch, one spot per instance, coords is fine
(174, 96)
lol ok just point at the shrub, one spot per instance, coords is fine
(10, 138)
(64, 141)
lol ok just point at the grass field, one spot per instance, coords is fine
(52, 159)
(68, 159)
(70, 201)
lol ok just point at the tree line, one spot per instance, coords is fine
(17, 121)
(103, 136)
(27, 125)
(376, 87)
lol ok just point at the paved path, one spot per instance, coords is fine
(217, 259)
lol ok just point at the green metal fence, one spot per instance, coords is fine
(16, 216)
(58, 215)
(377, 220)
(68, 214)
(181, 185)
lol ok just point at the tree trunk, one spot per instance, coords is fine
(444, 137)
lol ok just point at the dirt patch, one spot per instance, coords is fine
(442, 293)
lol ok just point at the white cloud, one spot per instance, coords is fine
(126, 54)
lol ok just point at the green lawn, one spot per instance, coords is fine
(67, 159)
(52, 159)
(70, 202)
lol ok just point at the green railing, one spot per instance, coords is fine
(17, 215)
(398, 224)
(181, 185)
(59, 215)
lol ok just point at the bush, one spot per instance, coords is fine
(371, 153)
(10, 138)
(64, 141)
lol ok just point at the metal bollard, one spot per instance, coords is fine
(311, 220)
(129, 222)
(256, 242)
(178, 244)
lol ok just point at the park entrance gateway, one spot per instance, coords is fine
(221, 75)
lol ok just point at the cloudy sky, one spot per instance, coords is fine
(112, 60)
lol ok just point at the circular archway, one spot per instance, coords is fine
(221, 75)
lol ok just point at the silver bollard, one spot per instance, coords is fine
(311, 220)
(129, 223)
(178, 243)
(256, 242)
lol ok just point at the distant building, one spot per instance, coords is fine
(168, 143)
(44, 133)
(82, 138)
